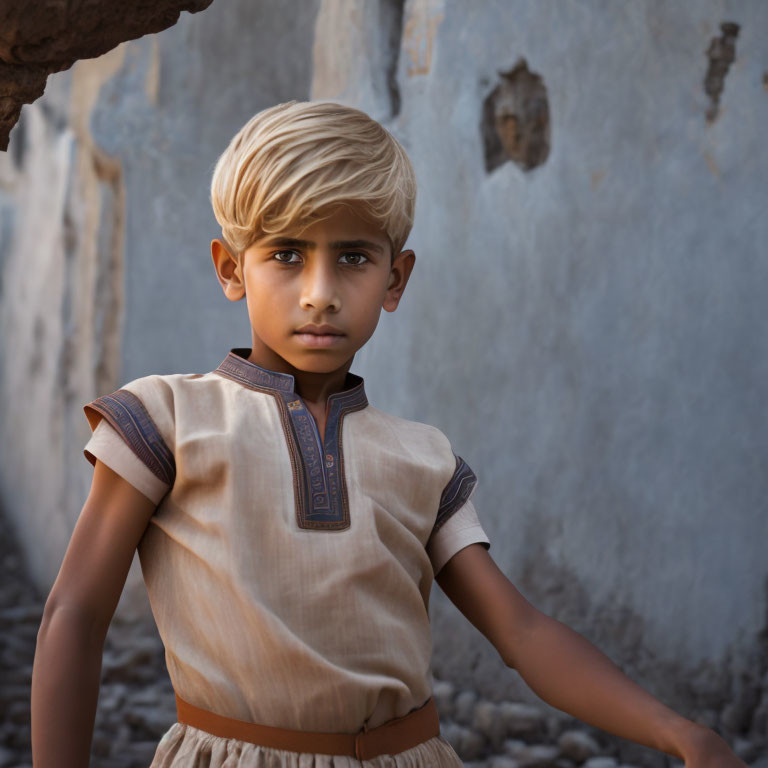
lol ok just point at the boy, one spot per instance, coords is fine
(289, 531)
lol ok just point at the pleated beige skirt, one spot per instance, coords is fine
(184, 746)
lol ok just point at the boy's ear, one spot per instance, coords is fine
(228, 270)
(398, 278)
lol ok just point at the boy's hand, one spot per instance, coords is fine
(701, 747)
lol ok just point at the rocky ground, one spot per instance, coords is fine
(136, 704)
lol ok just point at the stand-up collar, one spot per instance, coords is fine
(318, 468)
(236, 366)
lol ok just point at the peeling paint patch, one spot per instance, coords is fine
(721, 54)
(597, 179)
(108, 299)
(152, 81)
(100, 225)
(419, 33)
(515, 121)
(711, 164)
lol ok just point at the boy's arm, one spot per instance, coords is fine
(566, 670)
(67, 666)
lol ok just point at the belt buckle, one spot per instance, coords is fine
(358, 745)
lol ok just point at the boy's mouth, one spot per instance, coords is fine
(319, 339)
(319, 330)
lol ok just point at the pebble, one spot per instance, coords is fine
(554, 725)
(514, 747)
(539, 756)
(520, 719)
(578, 745)
(464, 708)
(502, 761)
(600, 762)
(488, 721)
(444, 693)
(744, 749)
(469, 744)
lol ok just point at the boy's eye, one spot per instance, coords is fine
(361, 258)
(358, 258)
(284, 261)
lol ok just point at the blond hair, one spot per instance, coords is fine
(292, 160)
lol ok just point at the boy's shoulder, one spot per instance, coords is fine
(162, 383)
(158, 391)
(426, 447)
(148, 401)
(400, 422)
(410, 432)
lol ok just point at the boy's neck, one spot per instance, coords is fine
(313, 388)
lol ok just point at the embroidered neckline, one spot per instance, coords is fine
(318, 466)
(236, 366)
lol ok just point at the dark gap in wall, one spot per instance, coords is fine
(7, 232)
(515, 122)
(18, 143)
(721, 54)
(391, 20)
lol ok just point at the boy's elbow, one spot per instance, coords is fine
(62, 616)
(513, 647)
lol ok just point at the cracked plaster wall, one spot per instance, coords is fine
(587, 332)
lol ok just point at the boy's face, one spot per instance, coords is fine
(335, 272)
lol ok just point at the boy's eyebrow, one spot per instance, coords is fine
(289, 242)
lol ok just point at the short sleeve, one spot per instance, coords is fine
(134, 447)
(108, 447)
(456, 525)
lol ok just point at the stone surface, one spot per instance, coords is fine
(538, 756)
(39, 38)
(464, 706)
(131, 717)
(520, 719)
(514, 747)
(469, 744)
(444, 693)
(501, 761)
(600, 762)
(578, 745)
(488, 721)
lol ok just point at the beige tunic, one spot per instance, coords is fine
(289, 579)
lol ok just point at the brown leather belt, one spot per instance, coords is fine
(389, 738)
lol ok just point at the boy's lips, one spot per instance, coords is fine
(319, 335)
(319, 339)
(319, 329)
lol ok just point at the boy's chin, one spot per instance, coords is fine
(320, 362)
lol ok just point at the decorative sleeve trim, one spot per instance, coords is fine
(127, 414)
(456, 493)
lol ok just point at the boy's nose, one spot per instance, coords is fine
(319, 289)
